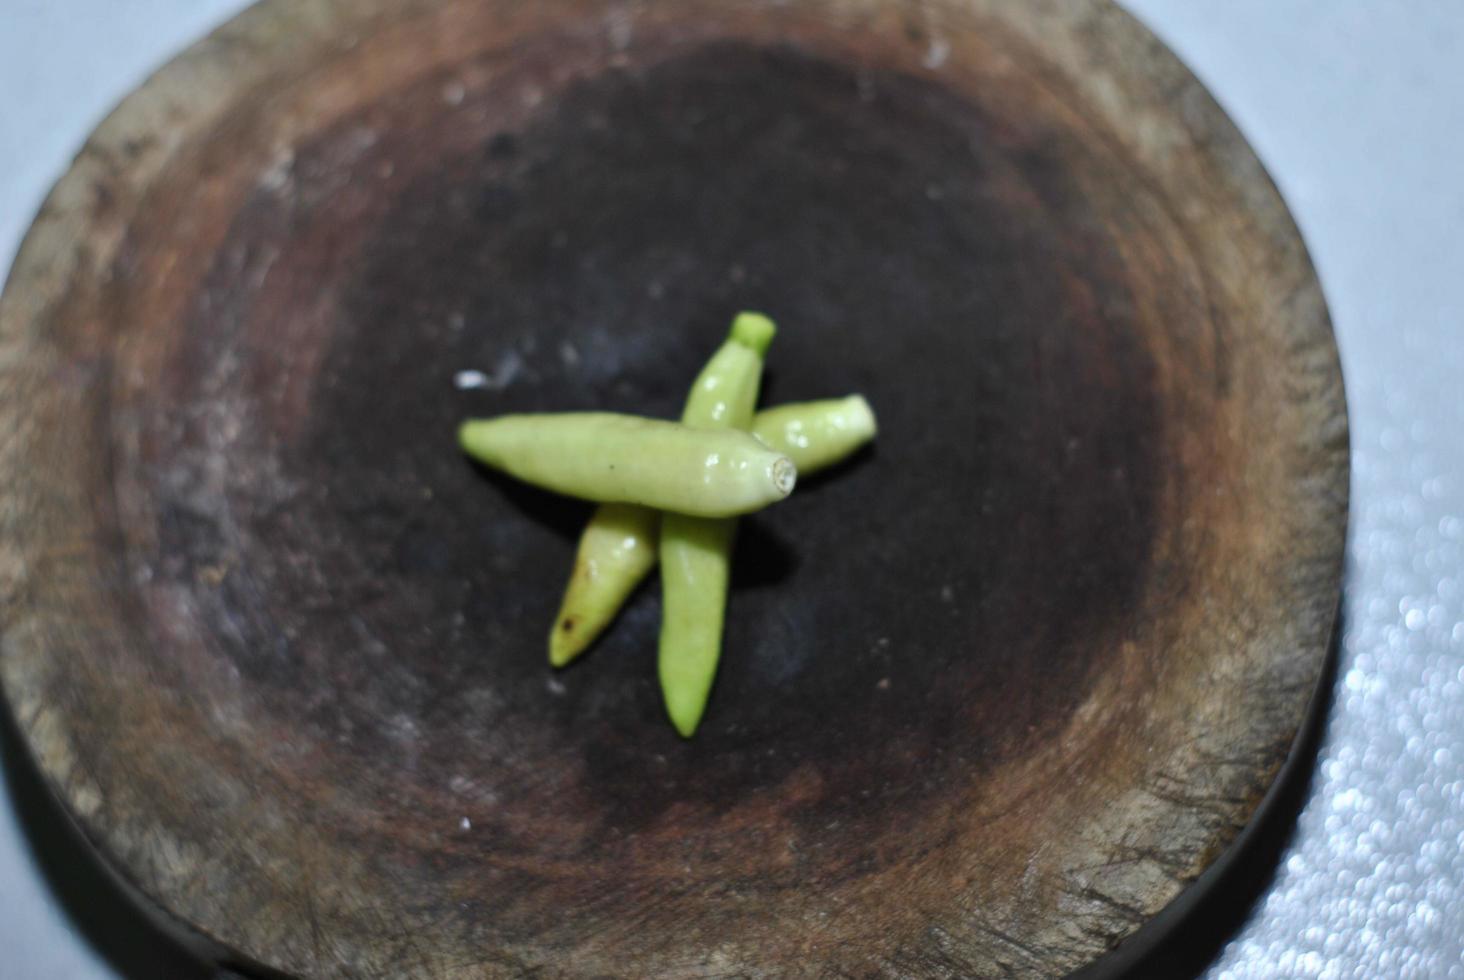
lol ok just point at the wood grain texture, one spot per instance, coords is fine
(994, 693)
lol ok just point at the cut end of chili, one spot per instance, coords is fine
(860, 417)
(785, 475)
(754, 331)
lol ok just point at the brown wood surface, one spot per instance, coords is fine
(993, 694)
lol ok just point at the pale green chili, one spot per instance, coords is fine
(619, 546)
(816, 435)
(616, 551)
(696, 552)
(610, 458)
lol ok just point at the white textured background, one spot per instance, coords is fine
(1357, 108)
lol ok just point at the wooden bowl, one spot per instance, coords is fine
(993, 694)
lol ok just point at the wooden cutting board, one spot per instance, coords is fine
(993, 695)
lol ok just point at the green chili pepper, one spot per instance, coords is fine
(617, 550)
(619, 546)
(696, 552)
(816, 435)
(614, 458)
